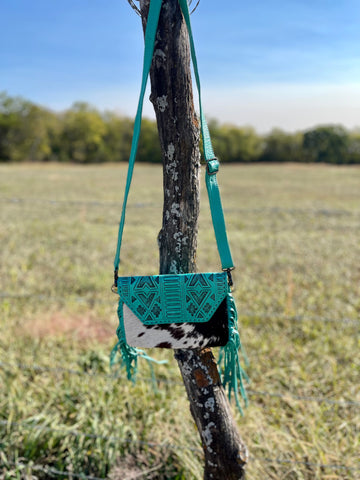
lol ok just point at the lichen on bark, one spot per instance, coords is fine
(179, 133)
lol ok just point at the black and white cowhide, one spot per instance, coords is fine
(213, 333)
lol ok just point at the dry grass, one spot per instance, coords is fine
(85, 327)
(294, 231)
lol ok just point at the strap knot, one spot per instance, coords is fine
(212, 166)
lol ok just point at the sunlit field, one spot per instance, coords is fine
(295, 236)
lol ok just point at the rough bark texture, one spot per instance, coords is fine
(172, 97)
(178, 127)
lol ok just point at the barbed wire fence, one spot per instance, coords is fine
(113, 376)
(119, 440)
(351, 322)
(325, 212)
(67, 431)
(52, 370)
(57, 473)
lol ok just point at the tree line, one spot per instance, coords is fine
(83, 134)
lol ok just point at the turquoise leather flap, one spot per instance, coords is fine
(160, 299)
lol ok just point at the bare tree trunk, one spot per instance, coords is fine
(172, 97)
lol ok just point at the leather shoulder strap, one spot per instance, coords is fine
(212, 164)
(150, 33)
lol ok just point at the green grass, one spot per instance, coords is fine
(294, 232)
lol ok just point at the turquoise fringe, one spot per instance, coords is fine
(128, 359)
(231, 372)
(127, 356)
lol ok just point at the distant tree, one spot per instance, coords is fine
(117, 137)
(82, 136)
(328, 144)
(38, 129)
(25, 130)
(353, 150)
(9, 120)
(235, 144)
(279, 146)
(29, 132)
(149, 144)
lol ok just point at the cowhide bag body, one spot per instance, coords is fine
(175, 311)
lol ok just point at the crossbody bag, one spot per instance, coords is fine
(179, 311)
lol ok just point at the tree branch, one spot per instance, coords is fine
(178, 126)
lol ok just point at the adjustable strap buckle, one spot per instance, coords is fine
(212, 166)
(230, 279)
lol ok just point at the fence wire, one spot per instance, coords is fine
(322, 212)
(325, 213)
(157, 445)
(95, 436)
(58, 473)
(114, 376)
(312, 464)
(241, 313)
(51, 471)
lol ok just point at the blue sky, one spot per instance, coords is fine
(266, 63)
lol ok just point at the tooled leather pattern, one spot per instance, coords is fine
(161, 299)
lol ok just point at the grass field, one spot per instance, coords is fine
(295, 236)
